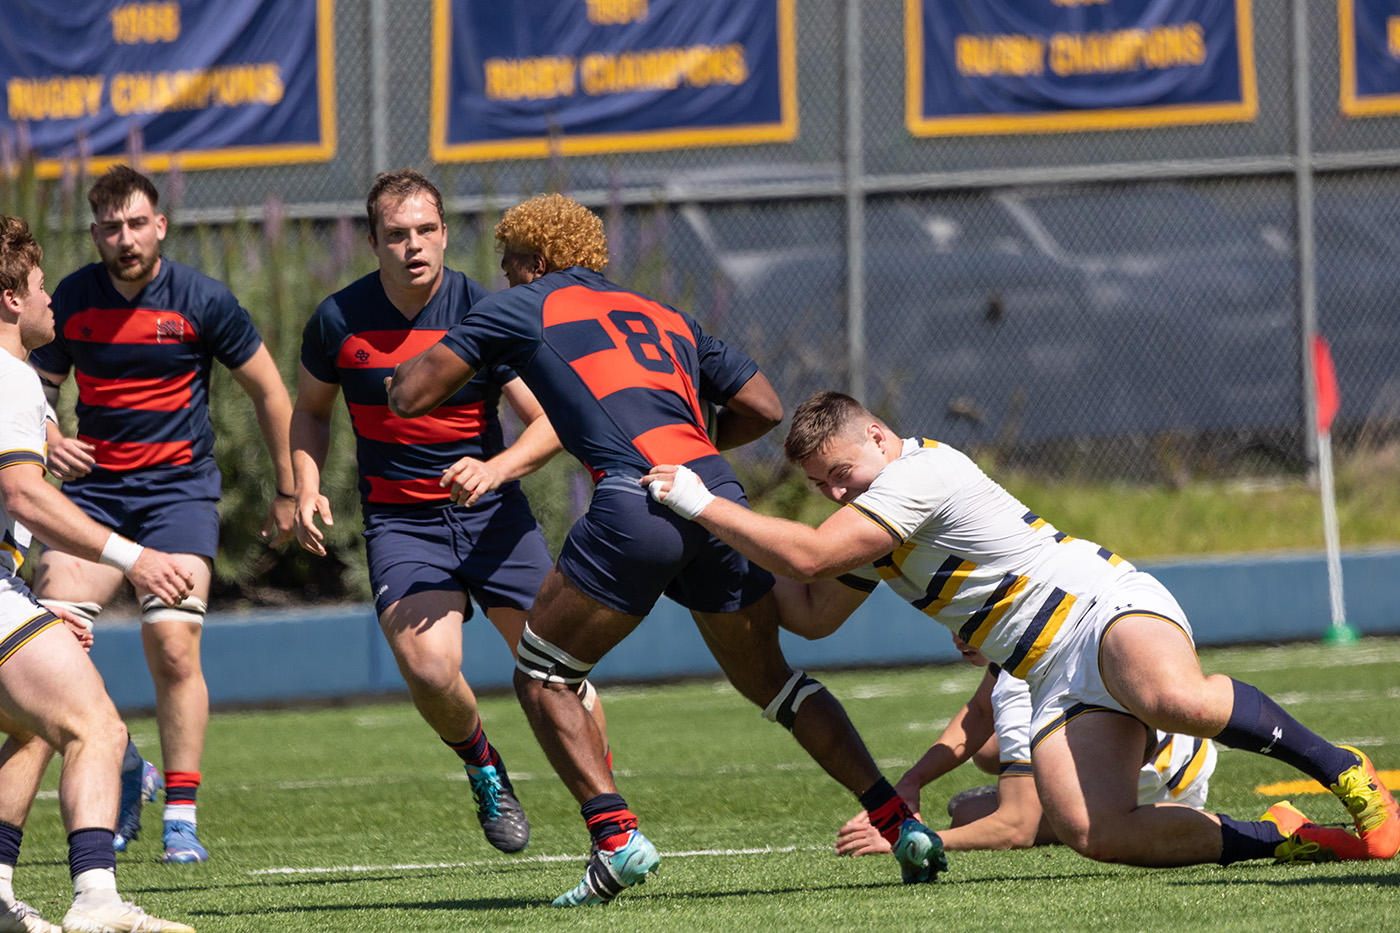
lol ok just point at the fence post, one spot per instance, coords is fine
(854, 183)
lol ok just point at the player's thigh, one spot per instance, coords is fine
(745, 643)
(575, 622)
(426, 625)
(63, 576)
(1149, 664)
(1086, 772)
(510, 623)
(49, 687)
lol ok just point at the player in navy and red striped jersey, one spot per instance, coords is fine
(443, 510)
(624, 380)
(140, 333)
(49, 690)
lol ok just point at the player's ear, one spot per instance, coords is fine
(538, 265)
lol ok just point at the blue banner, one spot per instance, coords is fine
(193, 83)
(1009, 66)
(533, 78)
(1370, 57)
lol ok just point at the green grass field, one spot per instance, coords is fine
(355, 818)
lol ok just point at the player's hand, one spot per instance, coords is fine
(277, 530)
(80, 627)
(309, 506)
(159, 573)
(858, 837)
(70, 458)
(678, 488)
(471, 479)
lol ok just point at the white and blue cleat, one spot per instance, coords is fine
(919, 852)
(138, 786)
(610, 873)
(182, 844)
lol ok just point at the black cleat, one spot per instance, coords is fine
(501, 816)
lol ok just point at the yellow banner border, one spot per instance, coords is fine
(541, 147)
(1242, 111)
(239, 156)
(1353, 104)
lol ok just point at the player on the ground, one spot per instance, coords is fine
(993, 729)
(622, 379)
(443, 511)
(50, 694)
(141, 333)
(1105, 649)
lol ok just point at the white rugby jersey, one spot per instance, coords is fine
(23, 439)
(1178, 770)
(977, 560)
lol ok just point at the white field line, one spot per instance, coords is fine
(540, 859)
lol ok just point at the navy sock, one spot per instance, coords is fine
(90, 848)
(1258, 724)
(607, 816)
(10, 836)
(1242, 842)
(475, 751)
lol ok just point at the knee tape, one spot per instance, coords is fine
(587, 695)
(86, 612)
(542, 661)
(783, 709)
(192, 609)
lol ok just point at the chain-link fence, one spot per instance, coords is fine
(1099, 305)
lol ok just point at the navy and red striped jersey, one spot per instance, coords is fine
(620, 376)
(355, 339)
(143, 366)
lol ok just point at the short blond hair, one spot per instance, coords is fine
(560, 229)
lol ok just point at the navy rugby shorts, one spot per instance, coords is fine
(627, 550)
(495, 552)
(168, 515)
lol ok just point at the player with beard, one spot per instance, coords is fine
(141, 333)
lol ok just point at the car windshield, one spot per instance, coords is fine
(1120, 222)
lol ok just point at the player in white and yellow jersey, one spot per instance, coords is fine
(993, 729)
(1105, 649)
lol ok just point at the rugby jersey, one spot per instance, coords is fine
(977, 560)
(23, 439)
(355, 338)
(1175, 766)
(621, 376)
(143, 367)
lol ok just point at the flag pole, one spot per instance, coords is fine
(1340, 632)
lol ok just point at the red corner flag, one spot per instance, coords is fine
(1329, 396)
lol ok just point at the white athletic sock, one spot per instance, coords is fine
(7, 884)
(96, 887)
(181, 811)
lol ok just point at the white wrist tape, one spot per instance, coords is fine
(120, 552)
(688, 496)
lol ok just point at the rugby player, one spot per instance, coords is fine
(622, 379)
(1105, 649)
(993, 730)
(51, 696)
(142, 332)
(444, 515)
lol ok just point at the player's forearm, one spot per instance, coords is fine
(932, 765)
(789, 548)
(994, 831)
(53, 518)
(310, 439)
(274, 420)
(535, 447)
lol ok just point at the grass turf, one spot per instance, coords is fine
(356, 818)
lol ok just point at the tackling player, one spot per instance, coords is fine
(50, 693)
(994, 727)
(1105, 649)
(141, 333)
(622, 379)
(443, 511)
